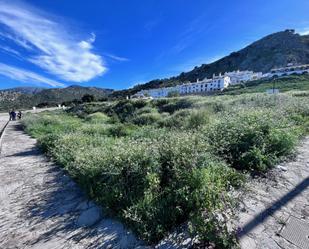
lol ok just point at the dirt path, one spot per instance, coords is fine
(275, 212)
(41, 207)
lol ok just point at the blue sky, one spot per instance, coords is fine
(120, 43)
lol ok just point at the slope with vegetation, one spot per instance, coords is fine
(156, 164)
(275, 50)
(24, 98)
(283, 84)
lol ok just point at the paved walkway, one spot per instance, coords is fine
(41, 207)
(3, 119)
(275, 207)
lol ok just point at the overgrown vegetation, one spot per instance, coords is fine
(284, 84)
(156, 164)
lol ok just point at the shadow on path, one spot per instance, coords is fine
(262, 216)
(32, 152)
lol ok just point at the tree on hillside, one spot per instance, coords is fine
(88, 98)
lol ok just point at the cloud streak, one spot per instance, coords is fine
(26, 76)
(9, 50)
(49, 44)
(117, 58)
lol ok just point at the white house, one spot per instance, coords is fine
(284, 71)
(238, 77)
(220, 82)
(217, 83)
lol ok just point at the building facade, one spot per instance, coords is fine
(285, 71)
(220, 82)
(217, 83)
(238, 77)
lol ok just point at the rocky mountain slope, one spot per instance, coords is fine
(275, 50)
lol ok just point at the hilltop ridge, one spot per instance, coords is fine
(28, 97)
(274, 50)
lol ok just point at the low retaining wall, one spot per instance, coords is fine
(2, 133)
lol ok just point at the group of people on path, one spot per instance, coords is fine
(13, 115)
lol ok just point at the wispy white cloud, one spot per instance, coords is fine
(9, 50)
(17, 40)
(52, 45)
(26, 76)
(116, 58)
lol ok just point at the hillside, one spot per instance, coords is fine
(26, 90)
(28, 97)
(275, 50)
(284, 84)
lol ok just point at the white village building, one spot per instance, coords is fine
(217, 83)
(290, 69)
(238, 77)
(220, 82)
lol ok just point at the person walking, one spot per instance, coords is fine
(19, 115)
(13, 115)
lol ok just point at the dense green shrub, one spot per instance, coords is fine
(175, 104)
(88, 98)
(152, 183)
(186, 119)
(252, 140)
(218, 106)
(198, 118)
(177, 120)
(49, 123)
(95, 129)
(120, 130)
(146, 109)
(140, 103)
(147, 119)
(97, 117)
(156, 164)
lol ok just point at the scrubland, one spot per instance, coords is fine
(156, 164)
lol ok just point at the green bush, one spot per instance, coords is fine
(177, 120)
(120, 130)
(198, 118)
(253, 140)
(186, 119)
(147, 119)
(175, 104)
(146, 109)
(97, 117)
(184, 171)
(153, 183)
(157, 164)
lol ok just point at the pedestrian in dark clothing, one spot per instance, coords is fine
(19, 115)
(13, 115)
(10, 114)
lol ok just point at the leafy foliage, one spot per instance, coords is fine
(157, 164)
